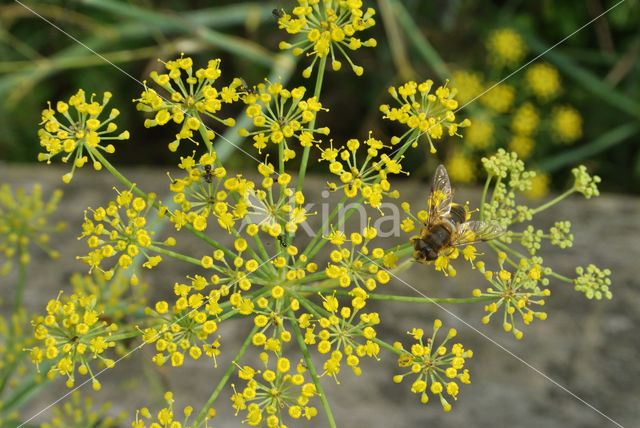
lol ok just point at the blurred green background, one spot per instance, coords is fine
(579, 103)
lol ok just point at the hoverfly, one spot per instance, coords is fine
(446, 225)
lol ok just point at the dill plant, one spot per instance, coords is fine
(290, 293)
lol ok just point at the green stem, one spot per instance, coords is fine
(203, 133)
(423, 47)
(312, 369)
(316, 93)
(386, 346)
(17, 300)
(553, 201)
(496, 245)
(225, 378)
(560, 277)
(484, 195)
(394, 298)
(175, 255)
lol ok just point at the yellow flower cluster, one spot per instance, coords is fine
(357, 266)
(339, 330)
(480, 133)
(566, 124)
(544, 81)
(468, 84)
(166, 417)
(435, 367)
(185, 327)
(460, 167)
(191, 96)
(279, 114)
(82, 134)
(15, 337)
(203, 191)
(115, 298)
(23, 219)
(272, 391)
(499, 98)
(128, 237)
(271, 314)
(73, 333)
(368, 178)
(506, 47)
(275, 213)
(79, 412)
(329, 27)
(517, 292)
(425, 112)
(525, 120)
(539, 185)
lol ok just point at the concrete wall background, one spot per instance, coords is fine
(589, 347)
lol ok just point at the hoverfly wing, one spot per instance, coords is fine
(476, 231)
(441, 195)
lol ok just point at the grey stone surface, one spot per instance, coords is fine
(585, 352)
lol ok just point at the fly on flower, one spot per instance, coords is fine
(446, 225)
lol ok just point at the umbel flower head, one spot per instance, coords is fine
(185, 327)
(15, 337)
(435, 367)
(82, 134)
(280, 115)
(424, 112)
(518, 292)
(109, 233)
(116, 299)
(368, 177)
(544, 81)
(506, 47)
(328, 27)
(166, 417)
(272, 391)
(72, 334)
(23, 219)
(566, 124)
(81, 412)
(191, 95)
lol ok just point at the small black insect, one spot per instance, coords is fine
(208, 176)
(283, 241)
(246, 89)
(277, 13)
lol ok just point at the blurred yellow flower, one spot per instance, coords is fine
(469, 85)
(539, 186)
(525, 120)
(522, 145)
(480, 132)
(500, 98)
(544, 80)
(506, 47)
(460, 167)
(566, 124)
